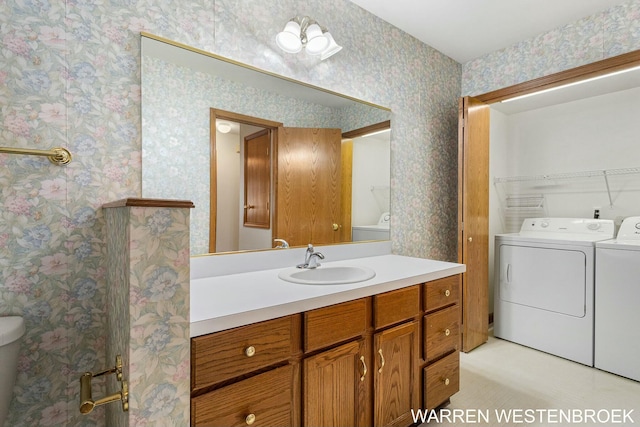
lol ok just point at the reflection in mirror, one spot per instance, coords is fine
(338, 147)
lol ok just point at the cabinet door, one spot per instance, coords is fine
(396, 373)
(335, 387)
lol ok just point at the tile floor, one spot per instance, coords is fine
(502, 375)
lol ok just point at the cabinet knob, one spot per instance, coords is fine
(470, 239)
(250, 351)
(447, 332)
(251, 418)
(447, 293)
(446, 381)
(335, 227)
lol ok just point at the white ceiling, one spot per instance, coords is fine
(467, 29)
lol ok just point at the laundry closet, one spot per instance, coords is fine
(571, 153)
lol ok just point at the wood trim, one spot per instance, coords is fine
(346, 185)
(274, 181)
(213, 182)
(241, 118)
(150, 203)
(367, 129)
(594, 69)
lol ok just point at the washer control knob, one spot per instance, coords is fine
(544, 224)
(593, 225)
(638, 225)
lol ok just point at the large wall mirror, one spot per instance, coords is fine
(261, 157)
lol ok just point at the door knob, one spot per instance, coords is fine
(335, 227)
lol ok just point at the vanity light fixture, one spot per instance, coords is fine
(224, 127)
(303, 32)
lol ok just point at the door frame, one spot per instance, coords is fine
(214, 115)
(595, 69)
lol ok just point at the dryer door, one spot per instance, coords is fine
(544, 278)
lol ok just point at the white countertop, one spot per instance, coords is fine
(225, 302)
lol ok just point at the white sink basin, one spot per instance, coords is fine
(323, 275)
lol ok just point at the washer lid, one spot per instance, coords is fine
(11, 329)
(630, 229)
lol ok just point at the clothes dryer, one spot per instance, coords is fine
(617, 332)
(544, 285)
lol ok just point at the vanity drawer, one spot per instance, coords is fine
(395, 306)
(224, 355)
(441, 332)
(441, 292)
(441, 380)
(326, 326)
(263, 400)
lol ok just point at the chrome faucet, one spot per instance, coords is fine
(283, 243)
(311, 258)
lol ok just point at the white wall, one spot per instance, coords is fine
(371, 167)
(591, 134)
(228, 173)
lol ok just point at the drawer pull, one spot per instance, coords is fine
(364, 368)
(447, 332)
(447, 293)
(446, 381)
(381, 361)
(250, 352)
(251, 418)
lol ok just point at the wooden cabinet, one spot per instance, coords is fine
(262, 400)
(396, 374)
(248, 375)
(366, 362)
(235, 352)
(336, 386)
(336, 375)
(441, 340)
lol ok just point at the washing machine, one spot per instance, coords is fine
(544, 285)
(617, 333)
(379, 231)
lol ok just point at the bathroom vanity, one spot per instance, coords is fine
(269, 352)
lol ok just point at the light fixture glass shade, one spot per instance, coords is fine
(316, 41)
(289, 38)
(331, 49)
(224, 127)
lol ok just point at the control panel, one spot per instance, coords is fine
(570, 225)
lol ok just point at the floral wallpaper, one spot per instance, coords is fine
(148, 264)
(175, 130)
(612, 32)
(69, 76)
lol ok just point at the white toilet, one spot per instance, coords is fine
(11, 330)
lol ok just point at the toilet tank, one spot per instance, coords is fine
(11, 331)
